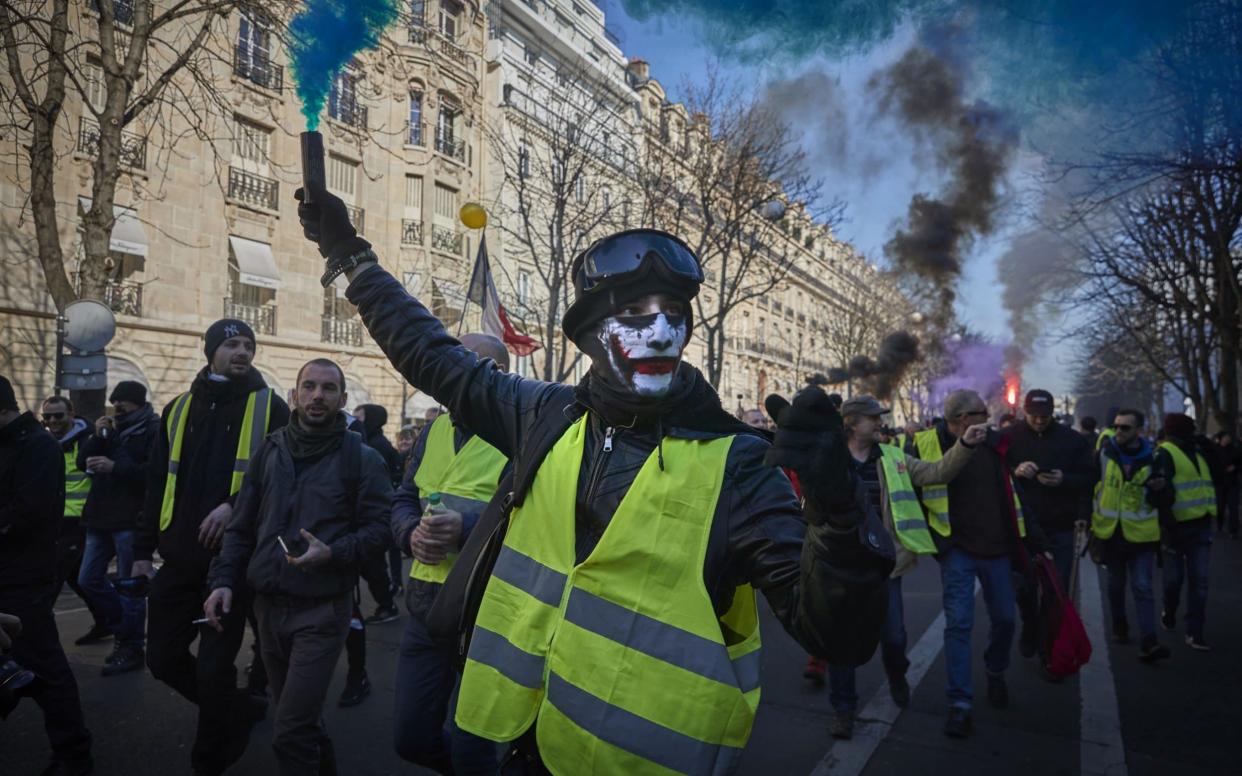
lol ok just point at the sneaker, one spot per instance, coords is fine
(899, 688)
(1197, 642)
(815, 669)
(124, 659)
(1152, 650)
(842, 725)
(958, 724)
(1168, 619)
(96, 634)
(998, 691)
(383, 614)
(356, 688)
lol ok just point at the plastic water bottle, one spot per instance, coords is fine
(434, 507)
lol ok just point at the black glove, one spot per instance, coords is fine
(325, 221)
(810, 439)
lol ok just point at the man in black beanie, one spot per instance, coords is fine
(206, 439)
(645, 518)
(32, 501)
(116, 458)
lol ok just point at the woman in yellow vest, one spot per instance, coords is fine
(618, 632)
(1187, 506)
(890, 477)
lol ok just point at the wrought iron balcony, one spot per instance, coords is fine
(357, 217)
(254, 190)
(350, 113)
(342, 331)
(454, 52)
(133, 145)
(418, 33)
(445, 144)
(446, 239)
(122, 11)
(262, 318)
(416, 136)
(411, 232)
(123, 297)
(257, 69)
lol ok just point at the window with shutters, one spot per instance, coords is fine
(413, 196)
(96, 88)
(580, 188)
(343, 177)
(450, 18)
(252, 145)
(415, 136)
(523, 161)
(446, 205)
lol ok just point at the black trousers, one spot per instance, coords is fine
(208, 680)
(38, 648)
(70, 547)
(375, 571)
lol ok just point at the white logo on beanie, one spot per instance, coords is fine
(231, 331)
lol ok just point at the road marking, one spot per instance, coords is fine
(1102, 751)
(876, 720)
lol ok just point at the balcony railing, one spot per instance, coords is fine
(257, 69)
(350, 113)
(262, 318)
(416, 135)
(454, 52)
(445, 144)
(342, 331)
(418, 33)
(122, 11)
(123, 297)
(133, 145)
(446, 239)
(357, 217)
(411, 232)
(255, 190)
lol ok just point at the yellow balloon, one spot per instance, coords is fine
(473, 215)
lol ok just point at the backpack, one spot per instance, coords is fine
(450, 620)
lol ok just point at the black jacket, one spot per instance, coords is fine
(376, 417)
(116, 499)
(206, 473)
(32, 503)
(826, 586)
(1058, 447)
(279, 499)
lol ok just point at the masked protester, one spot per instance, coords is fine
(643, 519)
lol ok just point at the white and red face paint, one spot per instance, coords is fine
(644, 350)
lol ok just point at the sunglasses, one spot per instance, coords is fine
(53, 415)
(1122, 427)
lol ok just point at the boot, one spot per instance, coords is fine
(124, 658)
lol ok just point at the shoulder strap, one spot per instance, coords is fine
(353, 468)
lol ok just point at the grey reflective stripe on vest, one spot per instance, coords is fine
(492, 649)
(75, 496)
(903, 495)
(173, 466)
(651, 637)
(935, 491)
(1193, 484)
(241, 465)
(458, 504)
(912, 525)
(530, 576)
(75, 477)
(747, 669)
(638, 736)
(1199, 502)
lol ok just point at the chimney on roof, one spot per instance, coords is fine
(639, 69)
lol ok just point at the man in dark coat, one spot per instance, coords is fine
(116, 457)
(194, 473)
(32, 501)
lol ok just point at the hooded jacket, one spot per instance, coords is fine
(116, 499)
(32, 503)
(206, 472)
(826, 586)
(376, 417)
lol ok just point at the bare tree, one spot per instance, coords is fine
(142, 72)
(724, 185)
(561, 153)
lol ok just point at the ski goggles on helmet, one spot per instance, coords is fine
(625, 253)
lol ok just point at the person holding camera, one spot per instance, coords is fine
(314, 507)
(116, 458)
(32, 502)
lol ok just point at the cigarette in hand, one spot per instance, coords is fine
(199, 621)
(283, 546)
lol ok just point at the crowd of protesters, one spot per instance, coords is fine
(593, 548)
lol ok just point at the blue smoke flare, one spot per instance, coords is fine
(323, 38)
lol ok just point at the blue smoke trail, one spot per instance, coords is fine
(323, 38)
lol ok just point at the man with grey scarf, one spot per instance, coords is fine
(314, 505)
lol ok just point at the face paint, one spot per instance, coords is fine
(644, 350)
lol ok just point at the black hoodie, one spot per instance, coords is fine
(206, 472)
(32, 502)
(376, 417)
(116, 499)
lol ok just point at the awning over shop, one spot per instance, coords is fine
(255, 263)
(128, 236)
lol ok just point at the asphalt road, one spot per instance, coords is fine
(1180, 717)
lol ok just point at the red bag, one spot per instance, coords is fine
(1066, 646)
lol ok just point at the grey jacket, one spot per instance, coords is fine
(277, 500)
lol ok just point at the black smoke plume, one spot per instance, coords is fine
(881, 375)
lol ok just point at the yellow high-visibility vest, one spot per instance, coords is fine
(466, 480)
(620, 661)
(77, 484)
(248, 440)
(1118, 500)
(936, 497)
(1194, 494)
(909, 523)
